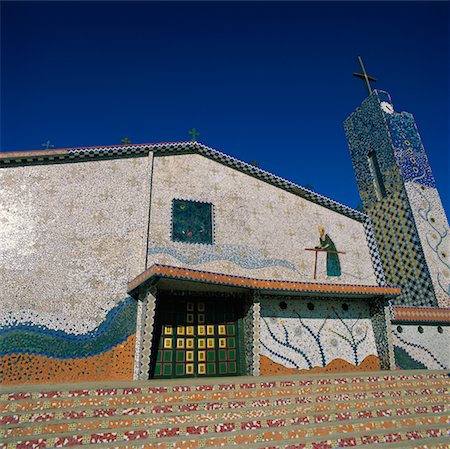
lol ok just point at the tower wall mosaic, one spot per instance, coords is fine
(398, 192)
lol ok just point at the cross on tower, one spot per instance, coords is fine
(47, 145)
(194, 134)
(364, 76)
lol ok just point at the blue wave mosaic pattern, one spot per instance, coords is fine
(242, 256)
(118, 325)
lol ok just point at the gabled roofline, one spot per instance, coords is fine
(33, 157)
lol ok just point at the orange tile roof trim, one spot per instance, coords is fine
(188, 274)
(421, 314)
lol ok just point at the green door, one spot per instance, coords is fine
(195, 337)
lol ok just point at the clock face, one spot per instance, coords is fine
(387, 107)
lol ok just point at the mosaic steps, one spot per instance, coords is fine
(15, 402)
(242, 418)
(177, 403)
(369, 406)
(437, 443)
(316, 413)
(86, 389)
(331, 436)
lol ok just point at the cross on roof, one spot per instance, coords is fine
(47, 145)
(194, 134)
(364, 76)
(125, 140)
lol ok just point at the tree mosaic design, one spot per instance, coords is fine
(306, 342)
(351, 338)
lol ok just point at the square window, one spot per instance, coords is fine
(191, 222)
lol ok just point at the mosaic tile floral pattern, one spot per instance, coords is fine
(305, 333)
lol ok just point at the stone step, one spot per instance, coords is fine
(17, 403)
(431, 443)
(61, 410)
(233, 420)
(352, 382)
(307, 414)
(319, 437)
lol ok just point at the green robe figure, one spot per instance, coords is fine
(333, 264)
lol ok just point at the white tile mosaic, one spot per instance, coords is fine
(432, 226)
(259, 230)
(305, 333)
(71, 237)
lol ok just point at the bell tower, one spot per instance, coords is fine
(399, 194)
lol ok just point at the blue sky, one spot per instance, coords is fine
(264, 81)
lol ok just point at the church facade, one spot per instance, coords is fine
(176, 260)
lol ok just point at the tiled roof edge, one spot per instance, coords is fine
(420, 314)
(188, 274)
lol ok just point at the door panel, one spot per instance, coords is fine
(196, 337)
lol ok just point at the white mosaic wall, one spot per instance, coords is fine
(311, 333)
(433, 229)
(421, 346)
(260, 231)
(72, 236)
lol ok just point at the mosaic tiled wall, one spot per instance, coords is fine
(432, 225)
(259, 230)
(394, 140)
(35, 354)
(426, 206)
(420, 346)
(313, 335)
(71, 237)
